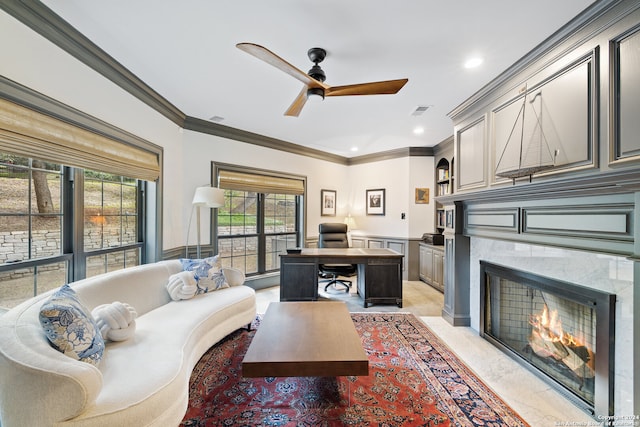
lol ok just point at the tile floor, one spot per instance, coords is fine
(538, 403)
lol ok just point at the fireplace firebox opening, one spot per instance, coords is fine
(561, 331)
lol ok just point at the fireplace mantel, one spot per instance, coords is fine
(607, 183)
(594, 213)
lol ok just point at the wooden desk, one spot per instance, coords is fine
(305, 339)
(379, 273)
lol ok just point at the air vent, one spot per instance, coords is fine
(216, 119)
(420, 109)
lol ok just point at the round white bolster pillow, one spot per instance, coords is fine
(116, 321)
(182, 285)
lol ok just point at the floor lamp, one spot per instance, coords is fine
(208, 197)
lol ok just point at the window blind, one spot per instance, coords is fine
(28, 133)
(259, 183)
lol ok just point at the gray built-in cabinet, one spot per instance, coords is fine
(568, 112)
(432, 265)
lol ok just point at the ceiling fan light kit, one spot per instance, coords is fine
(313, 81)
(315, 92)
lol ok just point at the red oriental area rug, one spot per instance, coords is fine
(414, 380)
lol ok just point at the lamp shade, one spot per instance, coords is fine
(351, 222)
(210, 197)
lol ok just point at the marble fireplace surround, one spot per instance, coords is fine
(604, 272)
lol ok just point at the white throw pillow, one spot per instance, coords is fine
(234, 276)
(182, 285)
(116, 321)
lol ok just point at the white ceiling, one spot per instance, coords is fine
(185, 50)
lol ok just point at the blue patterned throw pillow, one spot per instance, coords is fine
(207, 272)
(70, 327)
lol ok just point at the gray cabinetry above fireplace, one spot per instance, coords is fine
(579, 219)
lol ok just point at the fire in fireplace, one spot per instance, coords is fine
(562, 331)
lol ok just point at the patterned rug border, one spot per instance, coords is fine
(431, 373)
(490, 394)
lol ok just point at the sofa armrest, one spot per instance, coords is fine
(233, 276)
(57, 386)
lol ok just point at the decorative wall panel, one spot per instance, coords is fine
(549, 124)
(626, 97)
(471, 154)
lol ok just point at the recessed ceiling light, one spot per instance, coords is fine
(473, 62)
(354, 149)
(418, 130)
(216, 119)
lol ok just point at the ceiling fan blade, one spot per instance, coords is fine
(271, 58)
(386, 87)
(296, 107)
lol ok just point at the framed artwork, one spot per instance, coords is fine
(327, 202)
(422, 196)
(375, 202)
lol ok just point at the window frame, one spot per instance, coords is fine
(72, 248)
(300, 214)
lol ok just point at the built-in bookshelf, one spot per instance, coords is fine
(444, 186)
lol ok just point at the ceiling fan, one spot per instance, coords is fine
(314, 80)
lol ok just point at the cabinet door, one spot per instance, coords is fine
(428, 264)
(438, 269)
(423, 261)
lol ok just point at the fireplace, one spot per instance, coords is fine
(561, 331)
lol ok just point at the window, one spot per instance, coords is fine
(261, 218)
(32, 258)
(111, 222)
(38, 225)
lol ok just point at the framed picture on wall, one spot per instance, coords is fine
(328, 202)
(422, 195)
(375, 202)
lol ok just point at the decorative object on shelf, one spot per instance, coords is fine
(376, 201)
(532, 157)
(328, 202)
(209, 197)
(422, 196)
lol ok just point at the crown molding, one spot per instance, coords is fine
(210, 128)
(45, 22)
(577, 25)
(391, 154)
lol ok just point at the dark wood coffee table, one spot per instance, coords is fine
(306, 339)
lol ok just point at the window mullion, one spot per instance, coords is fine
(262, 243)
(68, 215)
(80, 257)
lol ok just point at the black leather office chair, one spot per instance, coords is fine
(334, 235)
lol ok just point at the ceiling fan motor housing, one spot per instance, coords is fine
(317, 73)
(317, 55)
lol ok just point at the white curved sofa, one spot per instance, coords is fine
(142, 381)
